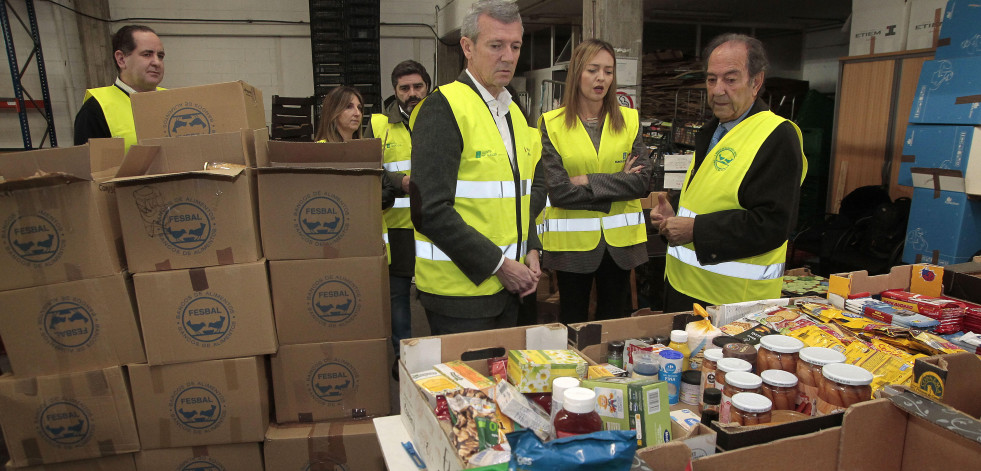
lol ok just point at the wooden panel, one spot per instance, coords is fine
(862, 127)
(909, 76)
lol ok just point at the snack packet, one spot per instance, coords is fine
(609, 450)
(475, 426)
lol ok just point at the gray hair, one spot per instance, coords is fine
(504, 11)
(756, 55)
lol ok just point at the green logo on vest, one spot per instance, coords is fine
(724, 157)
(485, 153)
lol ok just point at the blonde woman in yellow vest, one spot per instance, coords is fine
(728, 240)
(596, 169)
(106, 112)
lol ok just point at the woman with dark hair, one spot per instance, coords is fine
(340, 115)
(596, 169)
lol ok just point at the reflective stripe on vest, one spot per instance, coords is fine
(712, 187)
(401, 202)
(580, 230)
(397, 152)
(429, 251)
(400, 166)
(489, 196)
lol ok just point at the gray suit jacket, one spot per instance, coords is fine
(437, 143)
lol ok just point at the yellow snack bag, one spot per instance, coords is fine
(814, 336)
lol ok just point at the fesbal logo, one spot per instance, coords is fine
(201, 463)
(188, 119)
(206, 319)
(320, 218)
(33, 239)
(68, 323)
(65, 423)
(333, 301)
(187, 226)
(329, 381)
(197, 407)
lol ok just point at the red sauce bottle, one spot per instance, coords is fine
(578, 414)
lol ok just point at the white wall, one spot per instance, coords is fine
(274, 58)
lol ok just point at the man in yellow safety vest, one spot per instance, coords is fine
(139, 58)
(728, 239)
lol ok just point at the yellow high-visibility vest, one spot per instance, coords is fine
(397, 153)
(118, 110)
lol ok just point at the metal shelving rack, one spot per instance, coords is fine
(344, 37)
(17, 73)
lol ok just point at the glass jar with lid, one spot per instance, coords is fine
(844, 385)
(729, 365)
(751, 409)
(742, 351)
(780, 387)
(778, 352)
(614, 353)
(737, 382)
(812, 360)
(709, 362)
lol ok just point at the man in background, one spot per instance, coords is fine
(139, 58)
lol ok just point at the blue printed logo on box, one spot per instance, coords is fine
(330, 380)
(201, 463)
(187, 226)
(206, 319)
(68, 324)
(65, 423)
(320, 217)
(33, 239)
(188, 119)
(334, 300)
(197, 407)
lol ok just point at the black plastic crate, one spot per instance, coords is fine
(328, 69)
(356, 46)
(329, 79)
(370, 20)
(328, 46)
(329, 58)
(363, 66)
(363, 32)
(326, 14)
(326, 36)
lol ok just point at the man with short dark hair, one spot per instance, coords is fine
(411, 83)
(728, 241)
(139, 58)
(474, 161)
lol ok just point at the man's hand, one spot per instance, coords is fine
(405, 184)
(517, 278)
(579, 180)
(663, 211)
(678, 230)
(534, 263)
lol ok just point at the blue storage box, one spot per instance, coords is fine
(941, 146)
(960, 32)
(944, 227)
(949, 92)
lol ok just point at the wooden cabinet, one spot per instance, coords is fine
(875, 94)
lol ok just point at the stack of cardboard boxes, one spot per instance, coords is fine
(943, 142)
(321, 225)
(68, 316)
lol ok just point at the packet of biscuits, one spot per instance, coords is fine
(474, 419)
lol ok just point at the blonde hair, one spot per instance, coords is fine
(333, 105)
(572, 99)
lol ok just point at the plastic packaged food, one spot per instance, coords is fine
(778, 352)
(742, 351)
(844, 385)
(690, 386)
(645, 365)
(700, 336)
(671, 366)
(737, 382)
(607, 450)
(810, 377)
(578, 415)
(728, 365)
(780, 387)
(709, 367)
(751, 409)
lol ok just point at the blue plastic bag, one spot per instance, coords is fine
(599, 451)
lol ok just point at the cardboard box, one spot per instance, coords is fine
(432, 442)
(592, 338)
(944, 157)
(75, 416)
(238, 457)
(953, 379)
(947, 92)
(74, 326)
(634, 404)
(176, 215)
(322, 381)
(347, 444)
(206, 313)
(328, 300)
(204, 109)
(532, 371)
(878, 26)
(674, 180)
(959, 31)
(57, 224)
(677, 162)
(321, 200)
(108, 463)
(204, 403)
(944, 227)
(962, 281)
(920, 278)
(923, 28)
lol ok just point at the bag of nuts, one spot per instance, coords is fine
(475, 425)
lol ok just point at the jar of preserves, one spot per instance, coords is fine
(712, 357)
(751, 409)
(780, 387)
(844, 385)
(778, 352)
(742, 351)
(812, 360)
(728, 365)
(614, 353)
(578, 415)
(737, 382)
